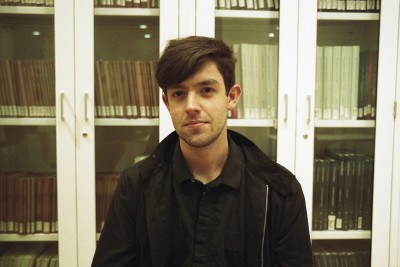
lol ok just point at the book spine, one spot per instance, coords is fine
(139, 88)
(316, 195)
(134, 104)
(354, 82)
(327, 89)
(337, 82)
(318, 83)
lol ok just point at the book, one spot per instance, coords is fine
(359, 191)
(327, 84)
(332, 194)
(109, 99)
(124, 87)
(354, 82)
(155, 89)
(368, 193)
(273, 67)
(139, 87)
(319, 77)
(324, 194)
(341, 172)
(133, 90)
(345, 83)
(100, 107)
(339, 65)
(316, 195)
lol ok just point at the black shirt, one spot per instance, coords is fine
(208, 228)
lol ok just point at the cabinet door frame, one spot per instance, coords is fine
(65, 132)
(85, 130)
(287, 84)
(394, 257)
(389, 146)
(304, 129)
(387, 65)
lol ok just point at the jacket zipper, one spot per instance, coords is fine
(264, 226)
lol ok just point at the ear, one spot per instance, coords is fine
(165, 100)
(234, 96)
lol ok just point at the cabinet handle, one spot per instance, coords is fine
(285, 118)
(62, 106)
(308, 109)
(85, 106)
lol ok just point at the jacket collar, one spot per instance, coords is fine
(257, 163)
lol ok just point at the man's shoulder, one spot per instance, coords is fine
(261, 168)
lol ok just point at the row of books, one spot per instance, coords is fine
(345, 83)
(105, 186)
(342, 191)
(126, 89)
(344, 254)
(127, 3)
(28, 203)
(123, 89)
(247, 4)
(257, 73)
(350, 5)
(97, 3)
(30, 255)
(27, 88)
(26, 2)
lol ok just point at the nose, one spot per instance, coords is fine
(192, 102)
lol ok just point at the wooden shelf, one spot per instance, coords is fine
(347, 16)
(127, 122)
(25, 10)
(100, 11)
(251, 123)
(254, 14)
(351, 234)
(28, 238)
(28, 121)
(344, 123)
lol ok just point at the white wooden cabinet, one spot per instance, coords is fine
(36, 144)
(85, 145)
(74, 140)
(301, 136)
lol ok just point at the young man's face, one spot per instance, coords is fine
(198, 106)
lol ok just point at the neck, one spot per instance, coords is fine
(206, 163)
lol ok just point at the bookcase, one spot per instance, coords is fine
(335, 97)
(92, 119)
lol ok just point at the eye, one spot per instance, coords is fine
(177, 93)
(208, 90)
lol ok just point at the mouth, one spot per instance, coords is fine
(195, 123)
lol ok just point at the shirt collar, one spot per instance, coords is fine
(231, 173)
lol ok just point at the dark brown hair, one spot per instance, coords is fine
(184, 57)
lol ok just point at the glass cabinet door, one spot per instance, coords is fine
(117, 100)
(126, 95)
(344, 132)
(251, 28)
(28, 165)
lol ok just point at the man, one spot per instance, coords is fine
(207, 196)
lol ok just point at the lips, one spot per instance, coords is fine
(195, 123)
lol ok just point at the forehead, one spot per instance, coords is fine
(207, 74)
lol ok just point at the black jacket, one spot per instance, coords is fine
(136, 231)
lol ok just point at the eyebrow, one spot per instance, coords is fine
(201, 83)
